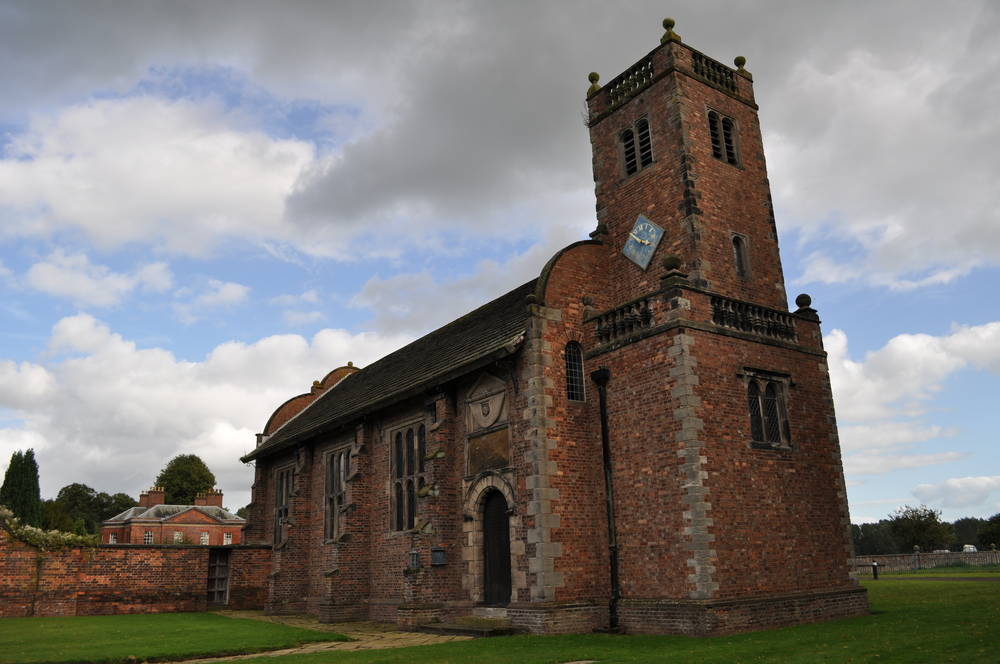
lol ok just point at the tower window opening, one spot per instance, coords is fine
(574, 372)
(740, 256)
(628, 143)
(637, 156)
(713, 130)
(645, 143)
(728, 140)
(768, 412)
(722, 132)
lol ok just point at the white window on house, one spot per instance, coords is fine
(147, 537)
(338, 467)
(227, 538)
(409, 446)
(178, 537)
(112, 538)
(204, 539)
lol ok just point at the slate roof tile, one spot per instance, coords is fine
(477, 336)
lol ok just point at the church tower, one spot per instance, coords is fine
(725, 500)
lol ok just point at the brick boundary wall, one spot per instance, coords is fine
(101, 580)
(902, 562)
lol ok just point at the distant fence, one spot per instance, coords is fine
(904, 562)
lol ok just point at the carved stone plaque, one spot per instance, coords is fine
(490, 450)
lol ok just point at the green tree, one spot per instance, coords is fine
(920, 526)
(184, 476)
(56, 517)
(989, 534)
(967, 530)
(80, 503)
(872, 539)
(19, 491)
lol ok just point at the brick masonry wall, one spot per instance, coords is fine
(116, 579)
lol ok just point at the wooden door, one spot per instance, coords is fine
(218, 576)
(496, 550)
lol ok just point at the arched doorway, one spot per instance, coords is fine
(496, 550)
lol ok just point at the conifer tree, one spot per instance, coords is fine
(20, 490)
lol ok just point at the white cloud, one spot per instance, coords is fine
(959, 491)
(883, 401)
(180, 174)
(299, 318)
(120, 411)
(310, 296)
(876, 464)
(216, 295)
(73, 276)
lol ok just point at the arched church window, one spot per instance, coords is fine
(408, 473)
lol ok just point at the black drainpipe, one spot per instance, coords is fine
(601, 377)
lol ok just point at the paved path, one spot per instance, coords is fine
(364, 635)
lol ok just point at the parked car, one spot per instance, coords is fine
(969, 548)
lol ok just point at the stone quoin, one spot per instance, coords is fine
(641, 439)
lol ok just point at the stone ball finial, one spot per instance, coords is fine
(739, 61)
(803, 301)
(350, 364)
(316, 383)
(672, 262)
(668, 25)
(593, 77)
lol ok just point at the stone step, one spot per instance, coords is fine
(474, 625)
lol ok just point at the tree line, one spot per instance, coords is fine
(922, 527)
(77, 508)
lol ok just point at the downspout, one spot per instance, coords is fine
(601, 377)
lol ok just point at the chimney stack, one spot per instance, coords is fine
(211, 498)
(153, 497)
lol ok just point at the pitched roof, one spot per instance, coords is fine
(162, 512)
(491, 331)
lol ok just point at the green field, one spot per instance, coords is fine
(160, 637)
(912, 621)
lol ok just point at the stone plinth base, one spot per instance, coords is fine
(409, 616)
(711, 617)
(558, 617)
(337, 613)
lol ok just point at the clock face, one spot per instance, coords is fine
(642, 240)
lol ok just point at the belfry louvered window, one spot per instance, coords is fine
(409, 447)
(637, 147)
(768, 412)
(722, 131)
(574, 372)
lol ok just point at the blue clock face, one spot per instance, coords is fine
(642, 240)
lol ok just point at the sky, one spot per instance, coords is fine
(205, 206)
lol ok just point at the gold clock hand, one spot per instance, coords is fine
(639, 239)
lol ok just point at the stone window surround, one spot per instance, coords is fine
(783, 383)
(419, 477)
(333, 521)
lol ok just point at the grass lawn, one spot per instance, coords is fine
(912, 621)
(151, 637)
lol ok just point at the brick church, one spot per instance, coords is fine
(640, 439)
